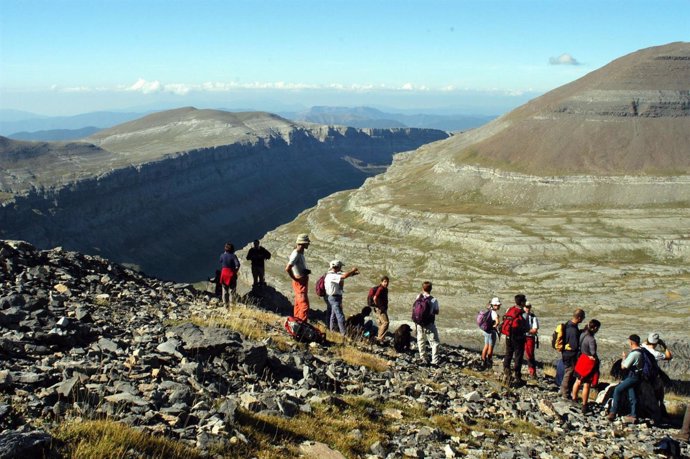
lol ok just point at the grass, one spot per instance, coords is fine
(109, 439)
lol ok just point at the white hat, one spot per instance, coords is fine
(495, 301)
(336, 264)
(303, 239)
(653, 338)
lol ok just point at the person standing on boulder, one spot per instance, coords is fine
(491, 336)
(230, 265)
(571, 347)
(299, 273)
(531, 338)
(426, 328)
(257, 255)
(380, 301)
(334, 289)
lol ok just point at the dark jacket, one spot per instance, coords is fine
(257, 255)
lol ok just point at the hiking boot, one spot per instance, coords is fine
(611, 417)
(585, 409)
(630, 420)
(507, 376)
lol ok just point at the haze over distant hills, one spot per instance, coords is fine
(166, 191)
(580, 198)
(20, 125)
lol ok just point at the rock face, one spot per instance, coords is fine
(571, 199)
(167, 191)
(86, 338)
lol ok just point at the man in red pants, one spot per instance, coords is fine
(531, 338)
(299, 273)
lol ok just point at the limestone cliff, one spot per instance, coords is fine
(165, 192)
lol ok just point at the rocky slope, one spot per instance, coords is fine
(84, 338)
(570, 199)
(167, 191)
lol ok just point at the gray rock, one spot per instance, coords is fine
(24, 445)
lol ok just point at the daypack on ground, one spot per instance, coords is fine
(422, 313)
(484, 320)
(558, 337)
(513, 322)
(650, 367)
(320, 286)
(370, 296)
(303, 332)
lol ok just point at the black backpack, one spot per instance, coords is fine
(650, 368)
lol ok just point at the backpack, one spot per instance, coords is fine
(320, 286)
(558, 337)
(650, 367)
(303, 332)
(484, 320)
(370, 296)
(422, 310)
(513, 322)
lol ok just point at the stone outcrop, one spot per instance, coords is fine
(172, 188)
(85, 338)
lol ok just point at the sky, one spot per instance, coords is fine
(64, 57)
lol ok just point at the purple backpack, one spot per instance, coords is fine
(484, 320)
(422, 310)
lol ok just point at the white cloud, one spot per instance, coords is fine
(146, 87)
(563, 59)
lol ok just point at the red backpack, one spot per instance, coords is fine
(320, 286)
(513, 322)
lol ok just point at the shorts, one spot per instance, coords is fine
(490, 337)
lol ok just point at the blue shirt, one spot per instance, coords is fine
(230, 260)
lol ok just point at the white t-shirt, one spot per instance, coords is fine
(332, 283)
(299, 263)
(657, 354)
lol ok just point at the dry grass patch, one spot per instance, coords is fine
(109, 439)
(330, 424)
(353, 356)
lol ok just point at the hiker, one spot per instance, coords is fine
(571, 345)
(230, 265)
(491, 336)
(299, 273)
(531, 338)
(257, 255)
(514, 328)
(587, 366)
(334, 290)
(380, 301)
(633, 363)
(357, 325)
(651, 344)
(425, 324)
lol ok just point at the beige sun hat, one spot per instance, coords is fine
(303, 239)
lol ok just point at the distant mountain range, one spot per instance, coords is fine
(29, 126)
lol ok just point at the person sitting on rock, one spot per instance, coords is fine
(633, 363)
(587, 366)
(357, 325)
(653, 345)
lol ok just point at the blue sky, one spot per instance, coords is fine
(460, 56)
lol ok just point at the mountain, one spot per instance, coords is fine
(12, 121)
(56, 135)
(166, 191)
(367, 117)
(580, 198)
